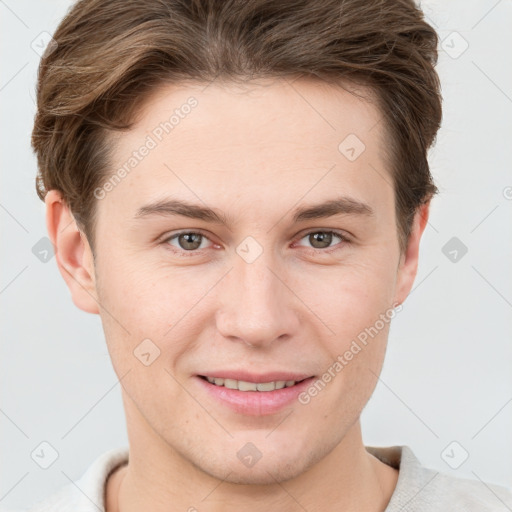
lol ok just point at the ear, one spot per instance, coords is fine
(408, 265)
(72, 252)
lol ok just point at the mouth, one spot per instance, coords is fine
(243, 385)
(254, 395)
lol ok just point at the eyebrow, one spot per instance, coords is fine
(339, 206)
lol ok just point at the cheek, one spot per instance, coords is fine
(360, 316)
(350, 298)
(144, 334)
(141, 301)
(356, 304)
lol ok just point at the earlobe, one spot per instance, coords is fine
(409, 261)
(72, 253)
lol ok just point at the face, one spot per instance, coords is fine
(251, 243)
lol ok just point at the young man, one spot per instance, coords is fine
(239, 189)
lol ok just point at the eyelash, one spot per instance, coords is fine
(309, 250)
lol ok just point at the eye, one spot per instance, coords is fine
(322, 240)
(190, 243)
(186, 241)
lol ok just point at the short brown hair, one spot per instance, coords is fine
(110, 54)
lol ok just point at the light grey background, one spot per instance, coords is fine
(447, 376)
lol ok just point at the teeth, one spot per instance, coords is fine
(266, 386)
(242, 385)
(249, 386)
(230, 383)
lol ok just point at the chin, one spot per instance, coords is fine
(266, 474)
(269, 469)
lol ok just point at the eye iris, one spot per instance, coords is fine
(191, 240)
(322, 237)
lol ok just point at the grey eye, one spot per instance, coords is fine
(320, 239)
(188, 241)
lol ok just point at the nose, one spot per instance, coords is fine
(258, 306)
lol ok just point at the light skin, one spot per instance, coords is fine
(255, 155)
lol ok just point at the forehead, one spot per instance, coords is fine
(304, 112)
(273, 139)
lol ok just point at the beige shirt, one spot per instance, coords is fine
(418, 489)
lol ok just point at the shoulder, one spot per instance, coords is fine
(65, 499)
(87, 493)
(464, 494)
(421, 489)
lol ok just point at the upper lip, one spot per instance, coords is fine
(256, 377)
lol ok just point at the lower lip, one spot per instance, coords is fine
(255, 403)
